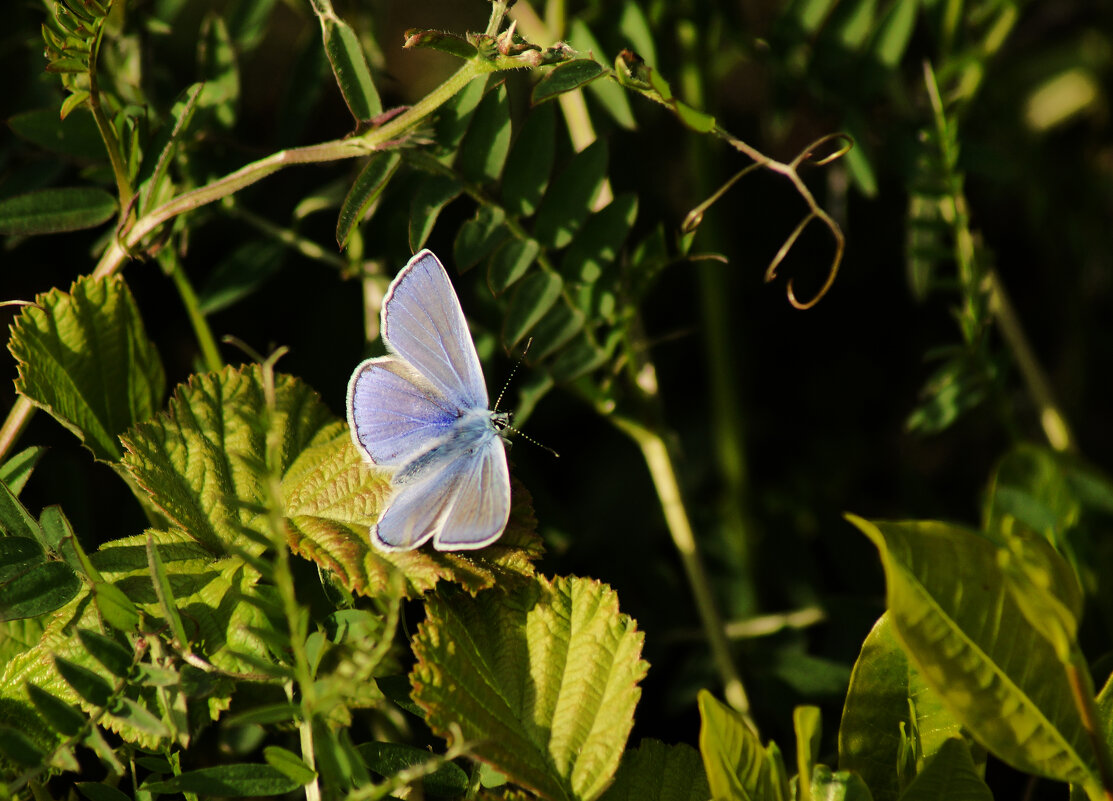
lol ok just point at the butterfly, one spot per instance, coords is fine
(422, 411)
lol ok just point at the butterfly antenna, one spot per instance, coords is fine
(506, 426)
(513, 371)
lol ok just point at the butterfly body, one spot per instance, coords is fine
(422, 411)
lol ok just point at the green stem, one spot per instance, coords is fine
(292, 240)
(660, 464)
(201, 330)
(107, 132)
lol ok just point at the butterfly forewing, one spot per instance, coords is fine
(423, 323)
(393, 413)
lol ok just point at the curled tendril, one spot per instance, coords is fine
(807, 156)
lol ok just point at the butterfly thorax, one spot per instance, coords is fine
(471, 430)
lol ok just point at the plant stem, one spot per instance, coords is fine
(205, 340)
(1054, 423)
(104, 126)
(660, 464)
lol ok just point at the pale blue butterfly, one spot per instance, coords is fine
(422, 411)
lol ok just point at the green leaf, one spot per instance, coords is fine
(582, 356)
(249, 780)
(98, 791)
(160, 153)
(455, 116)
(387, 759)
(16, 521)
(895, 31)
(75, 136)
(17, 747)
(636, 30)
(240, 273)
(115, 607)
(107, 651)
(332, 496)
(289, 764)
(806, 722)
(195, 461)
(568, 202)
(530, 163)
(593, 253)
(63, 717)
(841, 786)
(1032, 488)
(52, 211)
(949, 775)
(397, 689)
(479, 236)
(85, 358)
(657, 772)
(737, 765)
(612, 97)
(348, 63)
(566, 77)
(432, 195)
(40, 589)
(535, 295)
(216, 60)
(138, 718)
(553, 331)
(510, 262)
(367, 189)
(484, 149)
(439, 40)
(542, 681)
(15, 471)
(87, 684)
(953, 612)
(265, 715)
(18, 555)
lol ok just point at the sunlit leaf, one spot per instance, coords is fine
(533, 297)
(952, 610)
(483, 151)
(479, 236)
(566, 77)
(85, 358)
(366, 189)
(510, 262)
(737, 765)
(951, 775)
(16, 469)
(348, 63)
(612, 97)
(568, 202)
(542, 682)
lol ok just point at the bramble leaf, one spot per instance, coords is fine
(565, 641)
(84, 357)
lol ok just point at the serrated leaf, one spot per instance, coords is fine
(950, 775)
(568, 644)
(191, 459)
(52, 211)
(15, 470)
(85, 358)
(349, 66)
(17, 747)
(38, 590)
(657, 772)
(66, 719)
(479, 236)
(107, 651)
(75, 136)
(249, 780)
(240, 273)
(483, 151)
(87, 684)
(533, 297)
(366, 189)
(568, 202)
(530, 163)
(432, 195)
(959, 623)
(387, 759)
(566, 77)
(332, 496)
(510, 262)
